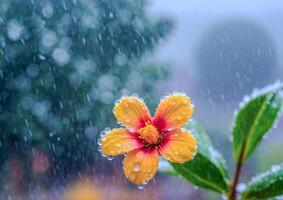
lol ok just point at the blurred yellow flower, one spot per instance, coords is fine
(82, 190)
(145, 138)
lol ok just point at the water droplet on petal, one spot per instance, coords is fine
(136, 167)
(131, 129)
(109, 157)
(141, 186)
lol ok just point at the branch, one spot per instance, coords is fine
(233, 190)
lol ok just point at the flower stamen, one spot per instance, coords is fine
(149, 134)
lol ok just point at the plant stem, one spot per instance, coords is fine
(233, 189)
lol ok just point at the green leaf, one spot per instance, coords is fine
(266, 185)
(207, 169)
(254, 119)
(203, 173)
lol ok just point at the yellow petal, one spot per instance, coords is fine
(131, 112)
(173, 112)
(141, 165)
(178, 146)
(119, 141)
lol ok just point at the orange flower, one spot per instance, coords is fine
(145, 138)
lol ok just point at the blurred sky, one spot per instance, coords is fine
(237, 6)
(193, 18)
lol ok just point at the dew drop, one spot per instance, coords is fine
(275, 168)
(106, 129)
(109, 157)
(223, 197)
(145, 182)
(241, 187)
(141, 186)
(195, 187)
(99, 142)
(136, 167)
(131, 129)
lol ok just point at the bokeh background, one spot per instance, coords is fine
(63, 63)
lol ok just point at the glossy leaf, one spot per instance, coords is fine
(207, 169)
(203, 173)
(266, 185)
(254, 119)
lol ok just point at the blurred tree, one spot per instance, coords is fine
(234, 57)
(62, 65)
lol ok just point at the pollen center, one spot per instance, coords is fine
(150, 134)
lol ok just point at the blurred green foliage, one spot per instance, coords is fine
(62, 66)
